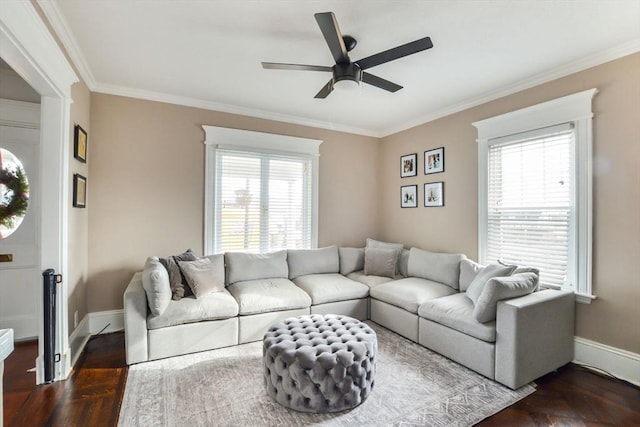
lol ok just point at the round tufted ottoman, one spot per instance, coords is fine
(319, 363)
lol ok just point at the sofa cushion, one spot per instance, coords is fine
(266, 295)
(403, 262)
(468, 271)
(490, 271)
(370, 281)
(313, 261)
(204, 275)
(409, 293)
(179, 287)
(380, 262)
(439, 267)
(351, 259)
(213, 306)
(243, 266)
(501, 288)
(323, 288)
(371, 243)
(456, 312)
(155, 281)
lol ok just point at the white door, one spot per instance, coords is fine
(20, 277)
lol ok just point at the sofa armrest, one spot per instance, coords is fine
(135, 321)
(534, 336)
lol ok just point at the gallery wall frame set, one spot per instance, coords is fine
(409, 165)
(434, 161)
(409, 196)
(434, 194)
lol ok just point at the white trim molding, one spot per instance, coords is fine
(620, 363)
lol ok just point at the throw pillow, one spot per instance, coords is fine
(439, 267)
(501, 288)
(313, 261)
(155, 281)
(380, 262)
(203, 276)
(371, 243)
(468, 271)
(351, 259)
(489, 272)
(179, 286)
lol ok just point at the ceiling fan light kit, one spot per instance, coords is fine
(344, 71)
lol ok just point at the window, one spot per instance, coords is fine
(261, 191)
(534, 180)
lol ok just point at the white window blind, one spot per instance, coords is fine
(263, 201)
(530, 195)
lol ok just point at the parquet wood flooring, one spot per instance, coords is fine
(92, 395)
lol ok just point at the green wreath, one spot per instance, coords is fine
(16, 196)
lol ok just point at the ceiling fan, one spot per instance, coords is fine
(344, 69)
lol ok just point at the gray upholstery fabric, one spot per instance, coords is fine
(179, 286)
(501, 288)
(265, 295)
(216, 305)
(490, 271)
(410, 293)
(313, 261)
(395, 318)
(371, 243)
(320, 363)
(135, 321)
(370, 281)
(351, 259)
(204, 275)
(380, 262)
(456, 312)
(323, 288)
(439, 267)
(403, 262)
(155, 281)
(253, 326)
(242, 266)
(468, 271)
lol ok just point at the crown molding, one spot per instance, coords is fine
(582, 64)
(51, 10)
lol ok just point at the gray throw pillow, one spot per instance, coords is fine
(155, 281)
(439, 267)
(468, 271)
(313, 261)
(489, 272)
(351, 259)
(501, 288)
(380, 262)
(371, 243)
(179, 286)
(203, 276)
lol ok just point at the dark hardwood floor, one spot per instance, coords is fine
(93, 394)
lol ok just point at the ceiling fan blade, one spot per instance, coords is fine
(329, 27)
(299, 67)
(395, 53)
(325, 91)
(380, 82)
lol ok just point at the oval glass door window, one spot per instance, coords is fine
(14, 193)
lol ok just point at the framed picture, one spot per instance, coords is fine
(434, 161)
(79, 191)
(80, 144)
(409, 196)
(409, 165)
(434, 194)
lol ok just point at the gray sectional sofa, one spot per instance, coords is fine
(492, 319)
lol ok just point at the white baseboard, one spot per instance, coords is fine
(621, 363)
(106, 321)
(78, 339)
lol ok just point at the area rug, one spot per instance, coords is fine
(413, 387)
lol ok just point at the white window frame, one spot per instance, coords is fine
(255, 142)
(574, 109)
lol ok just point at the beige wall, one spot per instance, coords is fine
(147, 186)
(76, 276)
(611, 319)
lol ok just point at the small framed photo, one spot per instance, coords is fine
(434, 194)
(434, 161)
(80, 144)
(409, 196)
(409, 165)
(79, 191)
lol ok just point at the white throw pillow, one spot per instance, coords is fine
(501, 288)
(155, 281)
(203, 276)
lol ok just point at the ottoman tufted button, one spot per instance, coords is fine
(329, 362)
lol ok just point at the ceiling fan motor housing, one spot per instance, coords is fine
(347, 71)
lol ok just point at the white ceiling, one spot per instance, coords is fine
(208, 53)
